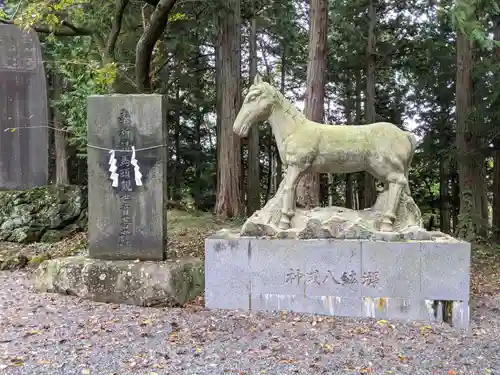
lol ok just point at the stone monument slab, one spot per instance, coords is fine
(24, 137)
(442, 276)
(357, 278)
(127, 166)
(391, 269)
(227, 261)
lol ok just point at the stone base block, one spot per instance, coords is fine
(158, 284)
(358, 278)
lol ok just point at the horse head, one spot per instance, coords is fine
(257, 106)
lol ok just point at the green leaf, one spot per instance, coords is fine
(177, 17)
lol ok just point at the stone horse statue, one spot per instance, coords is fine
(381, 149)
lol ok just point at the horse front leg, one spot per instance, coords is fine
(289, 188)
(397, 183)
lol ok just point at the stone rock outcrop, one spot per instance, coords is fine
(45, 214)
(341, 223)
(150, 284)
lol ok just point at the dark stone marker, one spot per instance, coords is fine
(127, 218)
(23, 104)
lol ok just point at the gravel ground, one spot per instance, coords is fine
(62, 335)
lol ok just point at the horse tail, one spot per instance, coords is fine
(413, 145)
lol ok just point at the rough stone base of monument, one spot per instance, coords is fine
(151, 284)
(410, 280)
(340, 222)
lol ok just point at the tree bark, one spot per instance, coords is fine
(468, 141)
(253, 179)
(359, 191)
(229, 198)
(496, 156)
(147, 41)
(455, 200)
(109, 50)
(370, 192)
(60, 136)
(496, 199)
(177, 145)
(444, 196)
(279, 163)
(308, 186)
(198, 159)
(349, 181)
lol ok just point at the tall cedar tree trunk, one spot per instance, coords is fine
(147, 41)
(469, 157)
(455, 199)
(349, 191)
(229, 199)
(444, 195)
(60, 136)
(199, 98)
(279, 163)
(445, 199)
(370, 192)
(177, 130)
(253, 179)
(496, 155)
(272, 153)
(359, 194)
(308, 187)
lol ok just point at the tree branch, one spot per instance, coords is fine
(109, 50)
(70, 30)
(146, 43)
(17, 9)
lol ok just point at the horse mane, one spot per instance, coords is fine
(287, 106)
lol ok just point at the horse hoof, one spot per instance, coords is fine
(284, 225)
(386, 227)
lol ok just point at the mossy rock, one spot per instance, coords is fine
(36, 260)
(55, 235)
(14, 261)
(25, 216)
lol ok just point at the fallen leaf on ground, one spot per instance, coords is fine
(85, 371)
(402, 357)
(44, 362)
(327, 347)
(32, 332)
(382, 322)
(452, 372)
(426, 329)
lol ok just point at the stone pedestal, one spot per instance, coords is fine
(357, 278)
(127, 220)
(127, 161)
(158, 284)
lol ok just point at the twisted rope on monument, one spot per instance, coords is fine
(136, 150)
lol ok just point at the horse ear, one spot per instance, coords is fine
(257, 79)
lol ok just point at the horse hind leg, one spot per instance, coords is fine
(397, 182)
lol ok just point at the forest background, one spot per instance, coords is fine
(430, 66)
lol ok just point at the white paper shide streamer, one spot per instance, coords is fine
(137, 172)
(113, 168)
